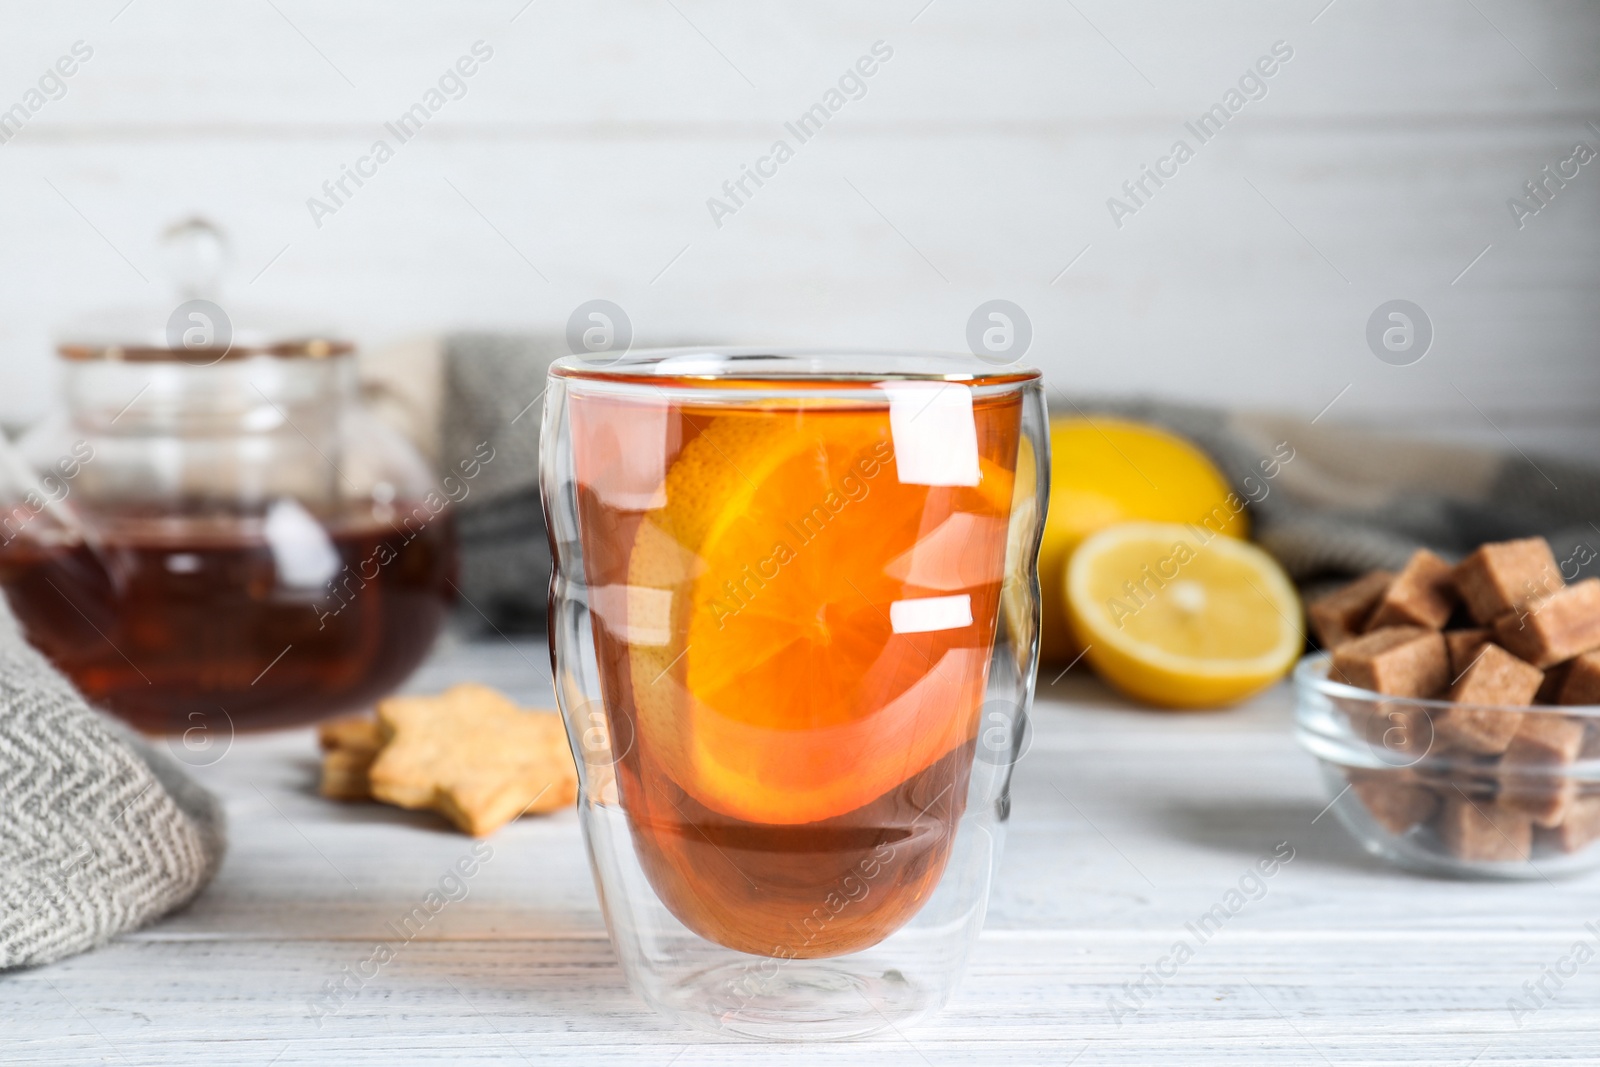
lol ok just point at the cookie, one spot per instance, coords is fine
(352, 732)
(349, 745)
(474, 757)
(344, 774)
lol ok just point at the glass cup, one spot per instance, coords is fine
(794, 624)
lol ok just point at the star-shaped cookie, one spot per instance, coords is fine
(349, 745)
(474, 757)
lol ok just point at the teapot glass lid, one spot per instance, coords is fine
(196, 325)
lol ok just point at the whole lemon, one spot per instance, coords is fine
(1106, 470)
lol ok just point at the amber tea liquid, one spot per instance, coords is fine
(170, 622)
(793, 630)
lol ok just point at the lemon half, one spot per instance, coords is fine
(1182, 617)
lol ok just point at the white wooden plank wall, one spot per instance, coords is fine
(977, 165)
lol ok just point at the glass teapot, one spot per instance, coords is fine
(212, 526)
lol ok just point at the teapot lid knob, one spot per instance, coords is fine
(197, 254)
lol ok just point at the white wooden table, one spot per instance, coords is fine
(1126, 826)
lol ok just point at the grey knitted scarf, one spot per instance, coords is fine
(1335, 501)
(98, 832)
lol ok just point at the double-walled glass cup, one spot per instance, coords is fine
(794, 624)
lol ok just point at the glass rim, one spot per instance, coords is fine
(313, 348)
(715, 366)
(1311, 674)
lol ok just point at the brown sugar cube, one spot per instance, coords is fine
(1555, 678)
(1580, 680)
(1463, 647)
(1403, 661)
(1396, 799)
(1578, 830)
(1422, 594)
(1545, 798)
(1363, 716)
(1558, 627)
(1502, 577)
(1475, 730)
(1391, 728)
(1483, 831)
(1545, 738)
(1343, 613)
(1399, 729)
(1496, 679)
(1476, 776)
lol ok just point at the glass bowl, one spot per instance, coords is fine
(1417, 783)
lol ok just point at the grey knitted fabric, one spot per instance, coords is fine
(494, 386)
(1352, 500)
(494, 392)
(98, 833)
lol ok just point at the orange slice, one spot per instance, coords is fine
(824, 629)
